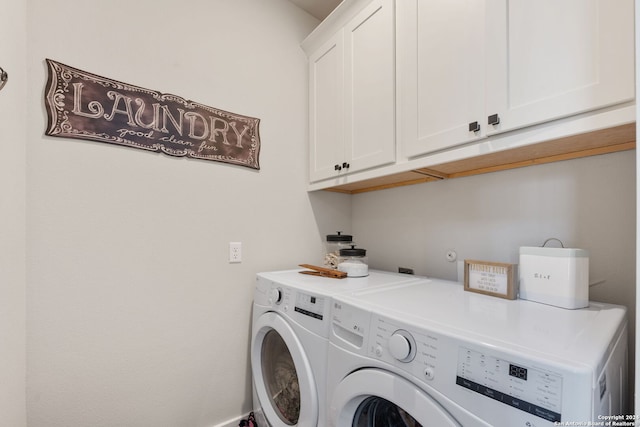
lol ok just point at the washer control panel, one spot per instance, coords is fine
(305, 309)
(310, 305)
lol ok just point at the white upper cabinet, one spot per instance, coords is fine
(352, 95)
(548, 59)
(326, 108)
(470, 68)
(441, 67)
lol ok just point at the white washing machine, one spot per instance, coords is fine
(431, 354)
(289, 342)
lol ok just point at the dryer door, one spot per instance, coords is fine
(282, 374)
(377, 398)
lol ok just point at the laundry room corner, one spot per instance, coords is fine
(333, 213)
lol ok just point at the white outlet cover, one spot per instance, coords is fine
(235, 252)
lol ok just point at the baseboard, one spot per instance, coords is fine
(234, 422)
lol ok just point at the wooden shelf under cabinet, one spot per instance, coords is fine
(611, 140)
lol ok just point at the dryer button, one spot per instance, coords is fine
(429, 373)
(379, 351)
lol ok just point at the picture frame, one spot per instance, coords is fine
(491, 278)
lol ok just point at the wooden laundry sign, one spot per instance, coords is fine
(87, 106)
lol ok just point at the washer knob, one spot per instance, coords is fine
(276, 295)
(400, 346)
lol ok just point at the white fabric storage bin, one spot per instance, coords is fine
(555, 276)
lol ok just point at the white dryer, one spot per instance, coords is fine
(290, 339)
(431, 354)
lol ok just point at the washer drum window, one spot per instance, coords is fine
(281, 378)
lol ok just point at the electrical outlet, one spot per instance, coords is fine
(235, 252)
(405, 270)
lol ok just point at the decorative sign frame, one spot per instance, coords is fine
(491, 278)
(87, 106)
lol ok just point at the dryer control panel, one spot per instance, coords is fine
(529, 389)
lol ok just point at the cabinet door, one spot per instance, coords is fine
(326, 109)
(370, 87)
(441, 67)
(549, 59)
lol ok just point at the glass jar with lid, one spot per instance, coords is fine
(336, 242)
(354, 262)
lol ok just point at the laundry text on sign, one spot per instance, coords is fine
(87, 106)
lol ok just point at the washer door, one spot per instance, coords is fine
(282, 374)
(376, 398)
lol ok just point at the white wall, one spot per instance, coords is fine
(587, 203)
(12, 213)
(135, 317)
(637, 264)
